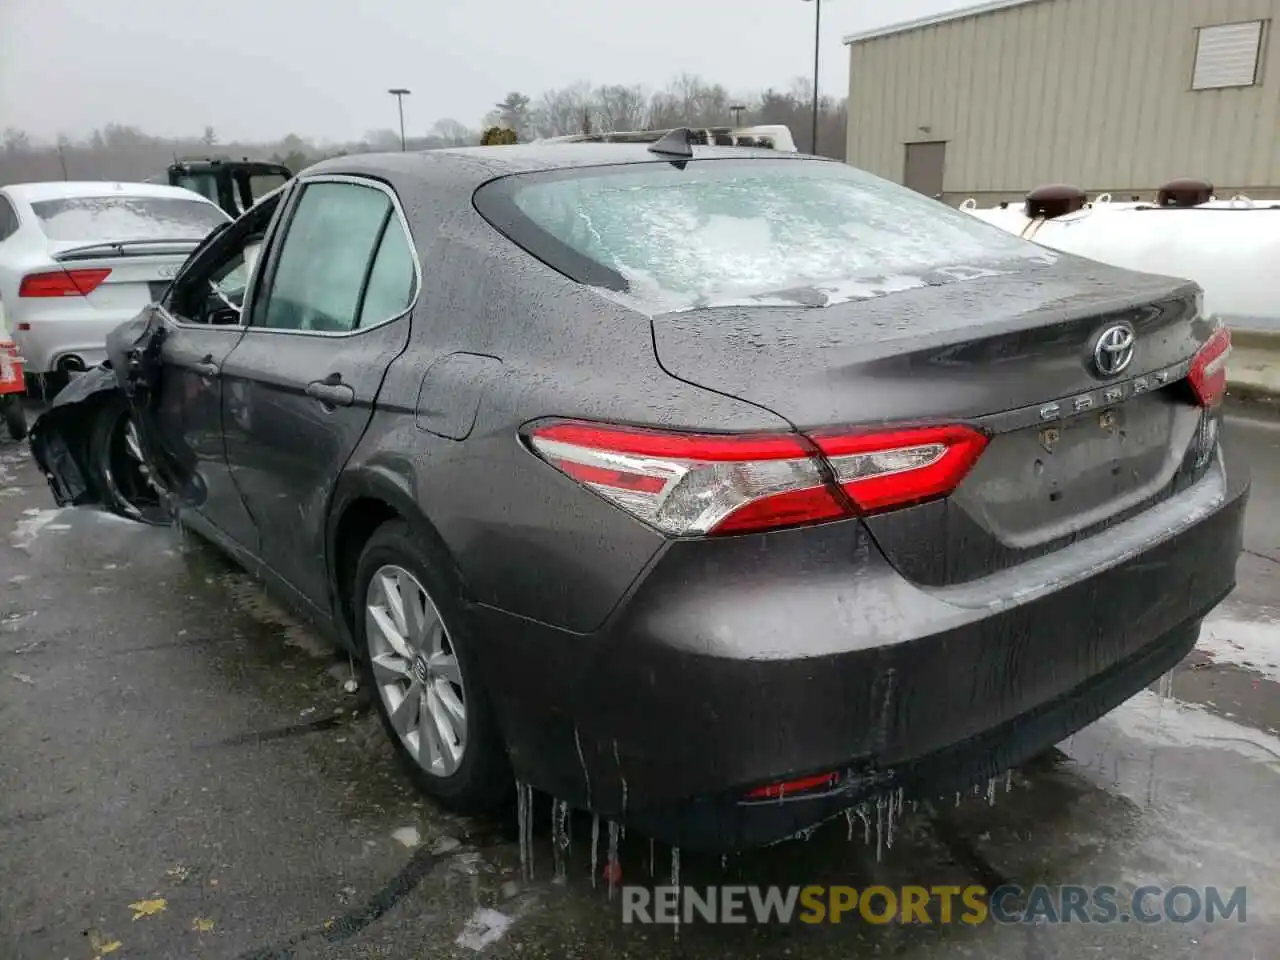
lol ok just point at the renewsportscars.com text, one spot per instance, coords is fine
(971, 905)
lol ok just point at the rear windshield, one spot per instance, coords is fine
(744, 232)
(101, 219)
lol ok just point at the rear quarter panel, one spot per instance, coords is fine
(524, 538)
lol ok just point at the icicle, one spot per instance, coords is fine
(523, 827)
(724, 861)
(991, 792)
(895, 808)
(617, 760)
(675, 883)
(957, 798)
(595, 847)
(582, 759)
(560, 838)
(556, 859)
(528, 830)
(914, 804)
(848, 816)
(613, 866)
(866, 823)
(1008, 780)
(879, 827)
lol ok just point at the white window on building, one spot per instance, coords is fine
(1227, 55)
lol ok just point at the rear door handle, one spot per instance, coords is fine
(206, 367)
(331, 391)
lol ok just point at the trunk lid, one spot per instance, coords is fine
(140, 271)
(1071, 449)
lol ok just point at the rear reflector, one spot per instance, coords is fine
(1208, 373)
(787, 788)
(62, 283)
(692, 485)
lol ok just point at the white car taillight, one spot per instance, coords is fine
(691, 485)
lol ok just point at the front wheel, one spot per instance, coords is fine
(423, 670)
(15, 417)
(126, 483)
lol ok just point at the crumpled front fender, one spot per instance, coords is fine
(60, 436)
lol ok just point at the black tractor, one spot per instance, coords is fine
(234, 185)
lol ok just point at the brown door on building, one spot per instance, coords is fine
(924, 166)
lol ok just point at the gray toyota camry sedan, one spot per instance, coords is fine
(714, 490)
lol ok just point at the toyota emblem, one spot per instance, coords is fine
(1113, 351)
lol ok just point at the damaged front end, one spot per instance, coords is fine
(60, 437)
(73, 441)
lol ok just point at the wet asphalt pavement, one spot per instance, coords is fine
(169, 739)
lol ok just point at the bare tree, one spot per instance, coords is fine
(622, 108)
(453, 133)
(210, 137)
(16, 141)
(561, 112)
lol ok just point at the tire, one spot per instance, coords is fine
(15, 418)
(124, 483)
(479, 779)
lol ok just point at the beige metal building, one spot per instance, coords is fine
(1110, 95)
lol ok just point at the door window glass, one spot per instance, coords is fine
(392, 279)
(325, 257)
(8, 220)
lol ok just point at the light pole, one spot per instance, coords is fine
(817, 36)
(736, 110)
(400, 93)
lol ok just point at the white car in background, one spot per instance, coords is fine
(78, 259)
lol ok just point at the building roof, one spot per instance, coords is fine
(959, 13)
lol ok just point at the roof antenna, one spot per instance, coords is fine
(675, 143)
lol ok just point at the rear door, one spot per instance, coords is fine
(331, 314)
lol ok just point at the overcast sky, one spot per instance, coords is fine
(320, 68)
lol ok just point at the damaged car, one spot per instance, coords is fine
(713, 490)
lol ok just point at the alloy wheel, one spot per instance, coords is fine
(415, 670)
(128, 477)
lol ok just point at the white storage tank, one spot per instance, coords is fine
(1230, 247)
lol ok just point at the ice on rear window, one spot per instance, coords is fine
(118, 218)
(763, 234)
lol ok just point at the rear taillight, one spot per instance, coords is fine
(62, 283)
(789, 788)
(1208, 373)
(691, 485)
(880, 471)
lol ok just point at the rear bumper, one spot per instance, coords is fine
(753, 660)
(50, 341)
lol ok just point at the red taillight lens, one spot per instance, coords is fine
(881, 471)
(62, 283)
(691, 485)
(1208, 373)
(788, 788)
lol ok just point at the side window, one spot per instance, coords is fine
(8, 220)
(211, 286)
(215, 295)
(392, 279)
(325, 257)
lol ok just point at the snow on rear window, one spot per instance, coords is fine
(102, 219)
(761, 233)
